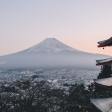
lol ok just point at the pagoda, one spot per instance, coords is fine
(103, 84)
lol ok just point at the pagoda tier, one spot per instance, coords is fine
(104, 105)
(104, 82)
(105, 43)
(107, 61)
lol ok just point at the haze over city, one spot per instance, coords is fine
(78, 23)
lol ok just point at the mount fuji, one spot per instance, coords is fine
(50, 53)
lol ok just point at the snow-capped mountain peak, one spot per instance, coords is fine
(50, 45)
(50, 53)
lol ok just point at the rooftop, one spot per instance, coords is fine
(105, 82)
(105, 43)
(105, 105)
(104, 61)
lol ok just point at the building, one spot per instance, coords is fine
(105, 43)
(107, 61)
(105, 82)
(104, 104)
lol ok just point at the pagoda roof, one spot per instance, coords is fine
(105, 43)
(104, 105)
(104, 61)
(105, 81)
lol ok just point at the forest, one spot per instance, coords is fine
(30, 95)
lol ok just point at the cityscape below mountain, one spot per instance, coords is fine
(50, 60)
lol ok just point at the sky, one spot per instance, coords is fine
(78, 23)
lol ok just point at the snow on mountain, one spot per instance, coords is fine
(50, 53)
(50, 45)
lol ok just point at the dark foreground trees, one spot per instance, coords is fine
(41, 96)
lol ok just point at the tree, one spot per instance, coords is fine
(78, 99)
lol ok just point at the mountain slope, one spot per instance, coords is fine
(49, 46)
(50, 53)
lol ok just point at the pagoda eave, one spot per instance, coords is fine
(104, 82)
(104, 105)
(105, 43)
(107, 61)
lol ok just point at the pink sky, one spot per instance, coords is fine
(78, 23)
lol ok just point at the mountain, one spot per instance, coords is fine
(50, 53)
(50, 46)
